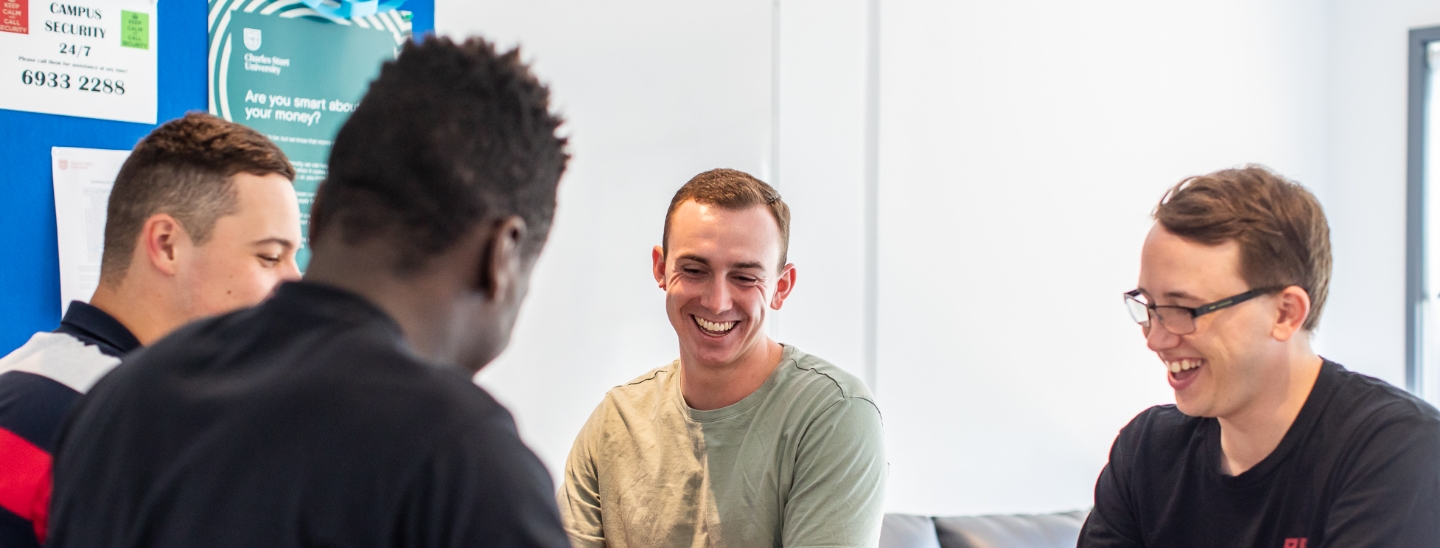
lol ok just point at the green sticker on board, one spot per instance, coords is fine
(134, 29)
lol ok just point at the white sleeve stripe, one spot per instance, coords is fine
(62, 358)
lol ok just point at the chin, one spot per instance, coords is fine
(713, 355)
(1193, 408)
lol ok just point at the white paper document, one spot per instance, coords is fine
(87, 58)
(83, 178)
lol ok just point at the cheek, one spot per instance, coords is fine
(247, 282)
(756, 300)
(679, 292)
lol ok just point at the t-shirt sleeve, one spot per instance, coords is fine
(1112, 522)
(839, 486)
(580, 495)
(483, 487)
(1392, 497)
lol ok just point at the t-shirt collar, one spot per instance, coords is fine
(95, 327)
(326, 300)
(739, 407)
(1304, 423)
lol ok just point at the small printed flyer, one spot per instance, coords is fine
(83, 179)
(295, 75)
(86, 58)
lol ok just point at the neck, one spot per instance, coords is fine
(146, 310)
(707, 387)
(1253, 432)
(412, 303)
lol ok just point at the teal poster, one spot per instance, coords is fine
(295, 75)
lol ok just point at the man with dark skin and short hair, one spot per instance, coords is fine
(1268, 444)
(202, 219)
(743, 441)
(341, 412)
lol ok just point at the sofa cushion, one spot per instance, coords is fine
(907, 531)
(1017, 531)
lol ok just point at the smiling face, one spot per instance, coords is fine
(248, 252)
(1228, 361)
(720, 278)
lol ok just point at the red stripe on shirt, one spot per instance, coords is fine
(25, 483)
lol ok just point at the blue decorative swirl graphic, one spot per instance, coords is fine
(346, 9)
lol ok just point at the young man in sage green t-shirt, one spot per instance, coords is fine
(742, 442)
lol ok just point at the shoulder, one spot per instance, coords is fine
(470, 415)
(649, 388)
(1158, 432)
(62, 358)
(804, 376)
(1370, 405)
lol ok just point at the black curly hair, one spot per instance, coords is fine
(448, 136)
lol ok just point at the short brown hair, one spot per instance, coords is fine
(1280, 227)
(183, 169)
(731, 189)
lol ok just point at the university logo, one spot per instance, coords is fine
(64, 164)
(252, 39)
(1295, 542)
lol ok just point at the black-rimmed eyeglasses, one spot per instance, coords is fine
(1180, 320)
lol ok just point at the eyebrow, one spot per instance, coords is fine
(696, 258)
(748, 266)
(1174, 294)
(1180, 295)
(277, 240)
(751, 265)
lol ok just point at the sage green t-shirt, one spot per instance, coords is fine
(799, 462)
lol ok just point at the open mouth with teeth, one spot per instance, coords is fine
(714, 329)
(1183, 371)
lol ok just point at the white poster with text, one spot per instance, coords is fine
(87, 58)
(83, 179)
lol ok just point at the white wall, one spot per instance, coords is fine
(1364, 322)
(1022, 146)
(654, 92)
(821, 119)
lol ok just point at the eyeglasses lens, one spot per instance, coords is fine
(1138, 311)
(1177, 321)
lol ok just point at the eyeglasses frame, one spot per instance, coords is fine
(1201, 310)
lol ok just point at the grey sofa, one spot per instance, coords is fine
(1017, 531)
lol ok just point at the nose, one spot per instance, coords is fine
(1158, 338)
(291, 272)
(717, 295)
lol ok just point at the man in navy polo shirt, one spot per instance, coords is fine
(202, 220)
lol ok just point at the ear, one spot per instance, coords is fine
(783, 285)
(657, 265)
(501, 263)
(1294, 307)
(161, 238)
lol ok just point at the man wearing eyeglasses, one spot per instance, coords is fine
(1268, 444)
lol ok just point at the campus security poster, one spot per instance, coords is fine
(294, 75)
(86, 58)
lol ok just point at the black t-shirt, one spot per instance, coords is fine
(1359, 467)
(306, 421)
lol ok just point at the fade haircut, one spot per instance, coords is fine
(184, 169)
(1281, 230)
(449, 135)
(734, 190)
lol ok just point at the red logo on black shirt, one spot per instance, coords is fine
(1295, 542)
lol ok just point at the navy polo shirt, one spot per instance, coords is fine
(39, 384)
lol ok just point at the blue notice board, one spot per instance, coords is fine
(30, 275)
